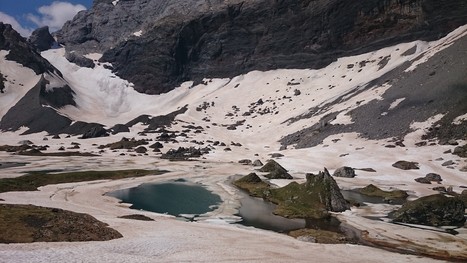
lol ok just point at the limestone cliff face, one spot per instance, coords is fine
(23, 52)
(189, 40)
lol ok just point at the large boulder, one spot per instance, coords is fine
(405, 165)
(344, 171)
(433, 210)
(42, 39)
(79, 60)
(275, 171)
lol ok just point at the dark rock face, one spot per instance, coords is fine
(23, 52)
(30, 113)
(331, 196)
(235, 37)
(41, 38)
(275, 171)
(344, 171)
(79, 60)
(57, 97)
(433, 210)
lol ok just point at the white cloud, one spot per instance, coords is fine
(55, 15)
(7, 19)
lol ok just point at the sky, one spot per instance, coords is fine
(27, 15)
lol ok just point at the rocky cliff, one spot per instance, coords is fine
(23, 52)
(158, 44)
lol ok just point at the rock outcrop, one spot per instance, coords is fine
(194, 39)
(79, 60)
(314, 198)
(23, 52)
(433, 210)
(42, 39)
(344, 171)
(275, 171)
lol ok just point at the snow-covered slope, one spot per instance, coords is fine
(286, 95)
(19, 80)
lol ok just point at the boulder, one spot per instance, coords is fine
(344, 171)
(95, 132)
(79, 60)
(433, 177)
(250, 178)
(141, 149)
(422, 180)
(275, 170)
(460, 151)
(118, 128)
(276, 155)
(252, 184)
(433, 210)
(257, 163)
(405, 165)
(156, 145)
(245, 161)
(25, 142)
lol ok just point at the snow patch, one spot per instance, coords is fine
(115, 2)
(138, 33)
(459, 119)
(395, 103)
(93, 56)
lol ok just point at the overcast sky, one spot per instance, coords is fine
(27, 15)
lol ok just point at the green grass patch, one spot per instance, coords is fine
(28, 223)
(32, 180)
(253, 185)
(299, 201)
(372, 190)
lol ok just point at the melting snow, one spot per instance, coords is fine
(138, 33)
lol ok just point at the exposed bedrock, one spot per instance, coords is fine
(41, 38)
(158, 44)
(23, 52)
(438, 86)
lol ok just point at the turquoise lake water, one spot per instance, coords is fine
(174, 198)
